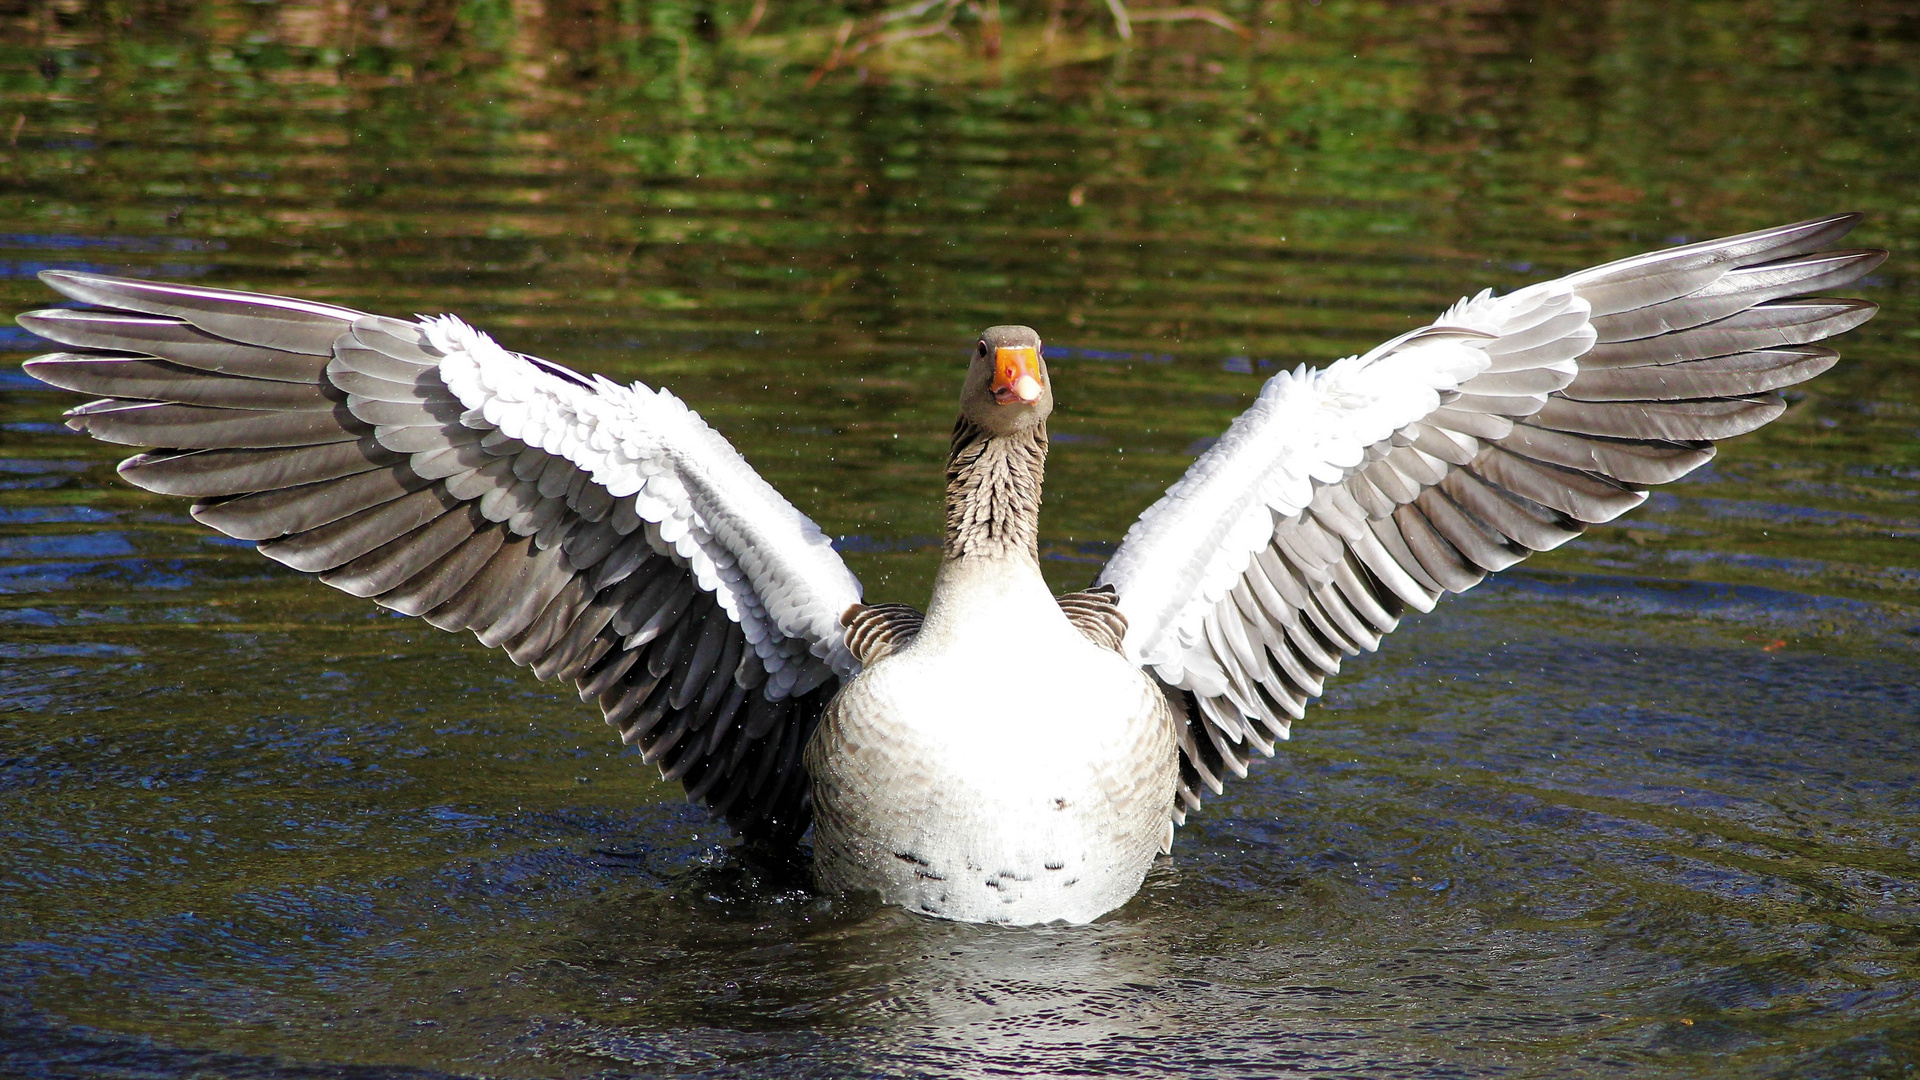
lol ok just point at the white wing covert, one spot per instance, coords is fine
(598, 533)
(1347, 495)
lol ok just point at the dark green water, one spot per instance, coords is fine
(1647, 806)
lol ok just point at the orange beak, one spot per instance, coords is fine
(1016, 375)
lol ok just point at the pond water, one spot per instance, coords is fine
(1645, 806)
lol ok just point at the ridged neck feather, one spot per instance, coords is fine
(993, 492)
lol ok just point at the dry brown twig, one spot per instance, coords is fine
(753, 19)
(1199, 14)
(833, 59)
(875, 38)
(989, 14)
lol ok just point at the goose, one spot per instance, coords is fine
(1007, 756)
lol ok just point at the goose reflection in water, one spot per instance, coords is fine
(876, 991)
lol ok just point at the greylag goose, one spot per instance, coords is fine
(1009, 756)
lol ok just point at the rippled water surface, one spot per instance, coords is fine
(1646, 806)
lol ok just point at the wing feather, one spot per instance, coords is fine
(1720, 376)
(340, 542)
(212, 473)
(201, 427)
(178, 340)
(1670, 421)
(1626, 460)
(390, 565)
(147, 379)
(265, 515)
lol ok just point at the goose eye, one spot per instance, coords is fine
(983, 348)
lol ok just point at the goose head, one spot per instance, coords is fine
(1007, 389)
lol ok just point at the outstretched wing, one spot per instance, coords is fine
(1345, 496)
(598, 533)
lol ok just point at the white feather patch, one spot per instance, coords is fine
(768, 565)
(1306, 426)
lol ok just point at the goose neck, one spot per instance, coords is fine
(993, 493)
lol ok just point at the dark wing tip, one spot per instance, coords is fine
(1835, 225)
(182, 300)
(74, 283)
(51, 276)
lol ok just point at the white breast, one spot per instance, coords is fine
(1002, 768)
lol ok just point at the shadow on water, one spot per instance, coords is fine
(1646, 806)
